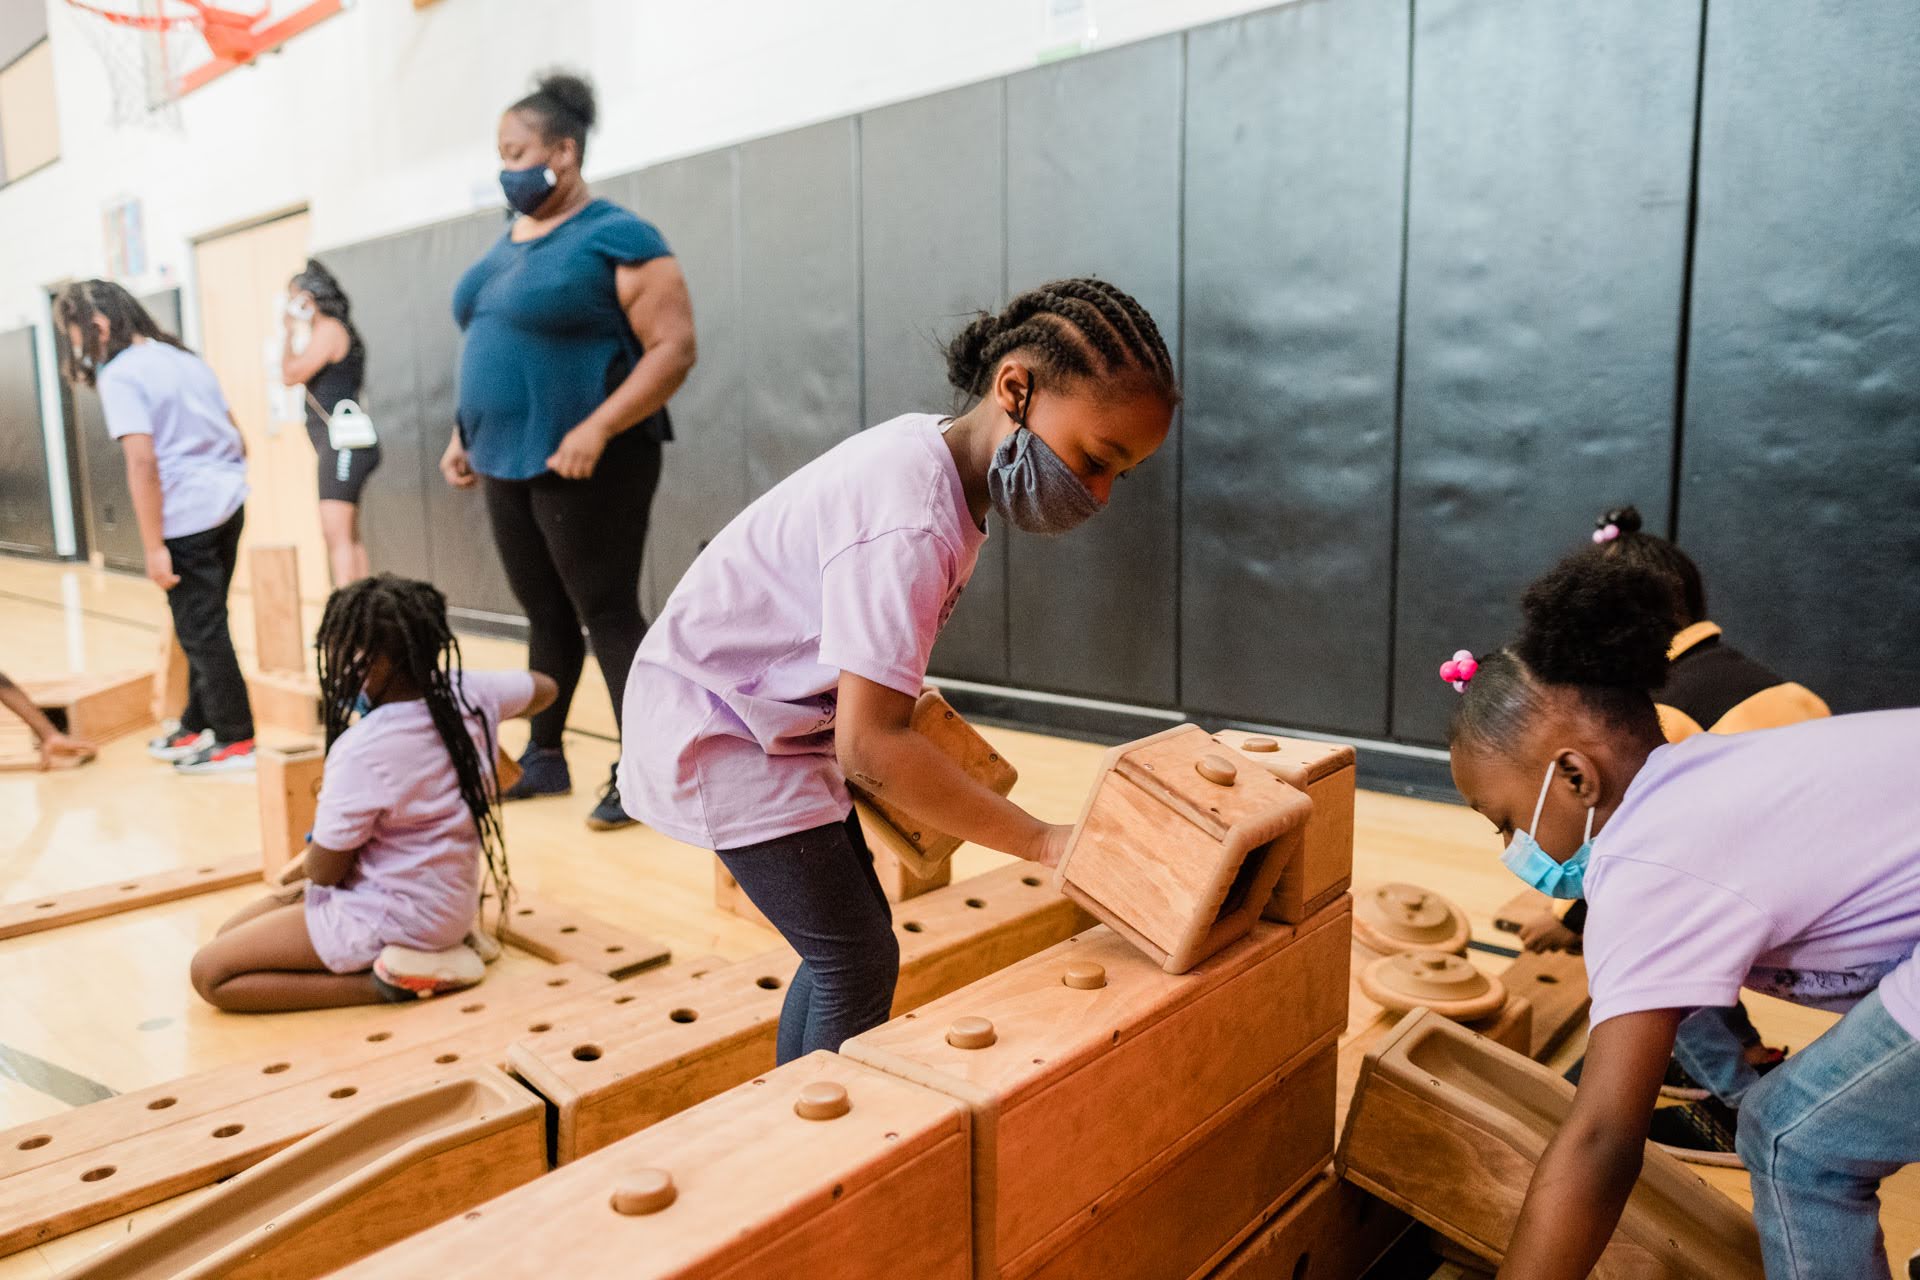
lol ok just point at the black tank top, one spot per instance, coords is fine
(338, 381)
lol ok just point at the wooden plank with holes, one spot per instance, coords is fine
(563, 934)
(289, 782)
(1449, 1127)
(1555, 984)
(1331, 1231)
(870, 1183)
(72, 906)
(347, 1190)
(1074, 1088)
(279, 636)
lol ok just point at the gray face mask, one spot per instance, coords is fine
(1032, 488)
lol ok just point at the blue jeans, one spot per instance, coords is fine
(1711, 1046)
(818, 888)
(1819, 1133)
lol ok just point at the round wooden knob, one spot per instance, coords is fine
(644, 1191)
(1217, 769)
(1260, 744)
(822, 1100)
(971, 1033)
(1085, 975)
(1395, 917)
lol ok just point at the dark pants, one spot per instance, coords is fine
(819, 890)
(216, 691)
(571, 549)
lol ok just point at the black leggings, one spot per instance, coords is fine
(571, 549)
(216, 691)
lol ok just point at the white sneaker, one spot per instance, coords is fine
(483, 944)
(175, 744)
(403, 971)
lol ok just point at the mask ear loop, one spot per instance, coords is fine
(1540, 805)
(1026, 402)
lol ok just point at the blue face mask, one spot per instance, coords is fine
(1526, 859)
(527, 189)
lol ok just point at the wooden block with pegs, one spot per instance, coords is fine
(363, 1182)
(1448, 1126)
(916, 846)
(1179, 847)
(289, 781)
(563, 934)
(34, 915)
(1323, 868)
(819, 1168)
(1091, 1072)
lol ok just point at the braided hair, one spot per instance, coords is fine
(405, 622)
(1080, 330)
(562, 105)
(329, 299)
(79, 303)
(1595, 625)
(1650, 551)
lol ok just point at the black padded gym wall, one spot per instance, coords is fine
(1800, 490)
(26, 506)
(113, 531)
(800, 297)
(1546, 246)
(934, 252)
(1296, 150)
(703, 478)
(1093, 188)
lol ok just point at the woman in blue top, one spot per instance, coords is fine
(578, 330)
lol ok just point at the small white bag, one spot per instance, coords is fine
(348, 426)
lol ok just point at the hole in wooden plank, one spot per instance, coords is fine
(128, 888)
(524, 911)
(975, 903)
(347, 1092)
(684, 1015)
(1032, 882)
(445, 1058)
(43, 906)
(623, 999)
(94, 1175)
(913, 926)
(161, 1104)
(378, 1036)
(557, 982)
(538, 1027)
(570, 928)
(1545, 977)
(472, 1008)
(838, 1190)
(274, 1068)
(228, 1130)
(586, 1053)
(767, 983)
(37, 1140)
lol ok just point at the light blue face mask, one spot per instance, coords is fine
(1526, 859)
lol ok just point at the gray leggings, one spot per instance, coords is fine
(818, 888)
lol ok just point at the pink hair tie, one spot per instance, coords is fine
(1459, 669)
(1606, 533)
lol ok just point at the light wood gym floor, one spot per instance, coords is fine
(106, 1005)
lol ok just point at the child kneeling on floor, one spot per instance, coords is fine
(405, 819)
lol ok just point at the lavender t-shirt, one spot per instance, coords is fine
(156, 389)
(390, 792)
(852, 563)
(1783, 860)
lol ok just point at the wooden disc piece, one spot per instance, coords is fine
(971, 1033)
(1399, 917)
(1217, 769)
(1085, 975)
(822, 1100)
(644, 1191)
(1436, 980)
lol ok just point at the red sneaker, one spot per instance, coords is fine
(219, 757)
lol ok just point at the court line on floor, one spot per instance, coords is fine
(85, 612)
(51, 1078)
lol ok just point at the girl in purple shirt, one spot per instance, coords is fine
(1780, 860)
(788, 658)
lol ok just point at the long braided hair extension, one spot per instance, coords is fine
(1080, 330)
(80, 302)
(405, 622)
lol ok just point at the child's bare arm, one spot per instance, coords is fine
(328, 866)
(52, 742)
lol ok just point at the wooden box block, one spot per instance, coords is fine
(1448, 1126)
(917, 846)
(752, 1189)
(287, 701)
(1082, 1087)
(1325, 771)
(1331, 1231)
(1178, 848)
(279, 636)
(289, 779)
(97, 708)
(345, 1191)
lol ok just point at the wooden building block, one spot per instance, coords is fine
(97, 708)
(1449, 1126)
(359, 1184)
(746, 1185)
(287, 701)
(289, 780)
(1078, 1088)
(1325, 771)
(1178, 848)
(34, 915)
(1521, 908)
(1331, 1231)
(1555, 984)
(917, 846)
(1510, 1028)
(279, 636)
(613, 1073)
(567, 935)
(169, 677)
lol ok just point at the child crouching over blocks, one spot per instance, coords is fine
(404, 822)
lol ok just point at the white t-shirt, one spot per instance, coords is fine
(153, 389)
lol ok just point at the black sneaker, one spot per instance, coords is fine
(1699, 1132)
(1680, 1084)
(608, 815)
(543, 772)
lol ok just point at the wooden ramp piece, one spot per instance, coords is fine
(363, 1182)
(1331, 1231)
(1093, 1075)
(75, 905)
(1448, 1126)
(819, 1168)
(1555, 984)
(568, 935)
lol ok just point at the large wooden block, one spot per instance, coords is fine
(916, 845)
(345, 1191)
(1555, 984)
(1178, 848)
(279, 636)
(1075, 1089)
(1325, 772)
(289, 780)
(1331, 1231)
(565, 934)
(741, 1187)
(98, 708)
(1448, 1126)
(286, 701)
